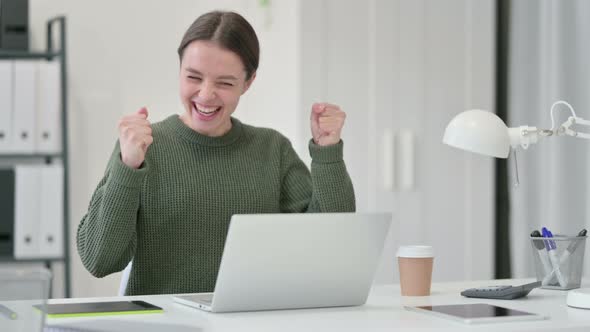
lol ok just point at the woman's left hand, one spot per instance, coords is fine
(326, 123)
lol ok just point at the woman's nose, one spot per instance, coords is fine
(207, 91)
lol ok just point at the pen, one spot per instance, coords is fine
(7, 312)
(542, 255)
(550, 245)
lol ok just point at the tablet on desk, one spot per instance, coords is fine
(98, 309)
(477, 313)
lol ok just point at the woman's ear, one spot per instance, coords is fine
(249, 82)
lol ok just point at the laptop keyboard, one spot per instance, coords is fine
(205, 298)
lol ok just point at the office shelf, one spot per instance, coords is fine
(32, 155)
(28, 55)
(10, 259)
(50, 53)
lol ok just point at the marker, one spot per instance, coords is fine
(543, 256)
(570, 249)
(550, 245)
(7, 312)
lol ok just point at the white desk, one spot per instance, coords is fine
(383, 312)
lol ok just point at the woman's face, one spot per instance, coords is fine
(212, 79)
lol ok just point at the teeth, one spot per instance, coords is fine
(206, 110)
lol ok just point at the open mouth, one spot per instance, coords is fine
(206, 111)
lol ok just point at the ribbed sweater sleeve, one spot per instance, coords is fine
(106, 236)
(327, 189)
(332, 186)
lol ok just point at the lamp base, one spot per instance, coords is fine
(579, 298)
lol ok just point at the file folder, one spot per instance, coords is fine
(26, 211)
(25, 73)
(48, 132)
(6, 94)
(51, 219)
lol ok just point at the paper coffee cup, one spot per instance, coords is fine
(415, 269)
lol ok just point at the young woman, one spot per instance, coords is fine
(171, 187)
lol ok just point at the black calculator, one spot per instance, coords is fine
(501, 292)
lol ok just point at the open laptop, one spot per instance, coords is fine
(289, 261)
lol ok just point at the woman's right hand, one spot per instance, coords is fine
(135, 136)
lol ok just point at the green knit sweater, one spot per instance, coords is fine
(171, 216)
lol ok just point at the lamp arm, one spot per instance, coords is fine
(565, 129)
(524, 136)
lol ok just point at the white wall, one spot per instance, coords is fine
(122, 55)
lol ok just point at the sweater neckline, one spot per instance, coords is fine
(192, 136)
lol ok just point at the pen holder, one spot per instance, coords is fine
(558, 261)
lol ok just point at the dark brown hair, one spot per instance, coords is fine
(229, 30)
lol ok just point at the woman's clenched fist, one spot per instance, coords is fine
(326, 123)
(135, 136)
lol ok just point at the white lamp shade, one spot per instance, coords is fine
(480, 132)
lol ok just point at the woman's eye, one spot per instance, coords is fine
(226, 84)
(194, 78)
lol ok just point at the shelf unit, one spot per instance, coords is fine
(59, 53)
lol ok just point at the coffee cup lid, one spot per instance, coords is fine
(415, 251)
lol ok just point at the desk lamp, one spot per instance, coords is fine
(485, 133)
